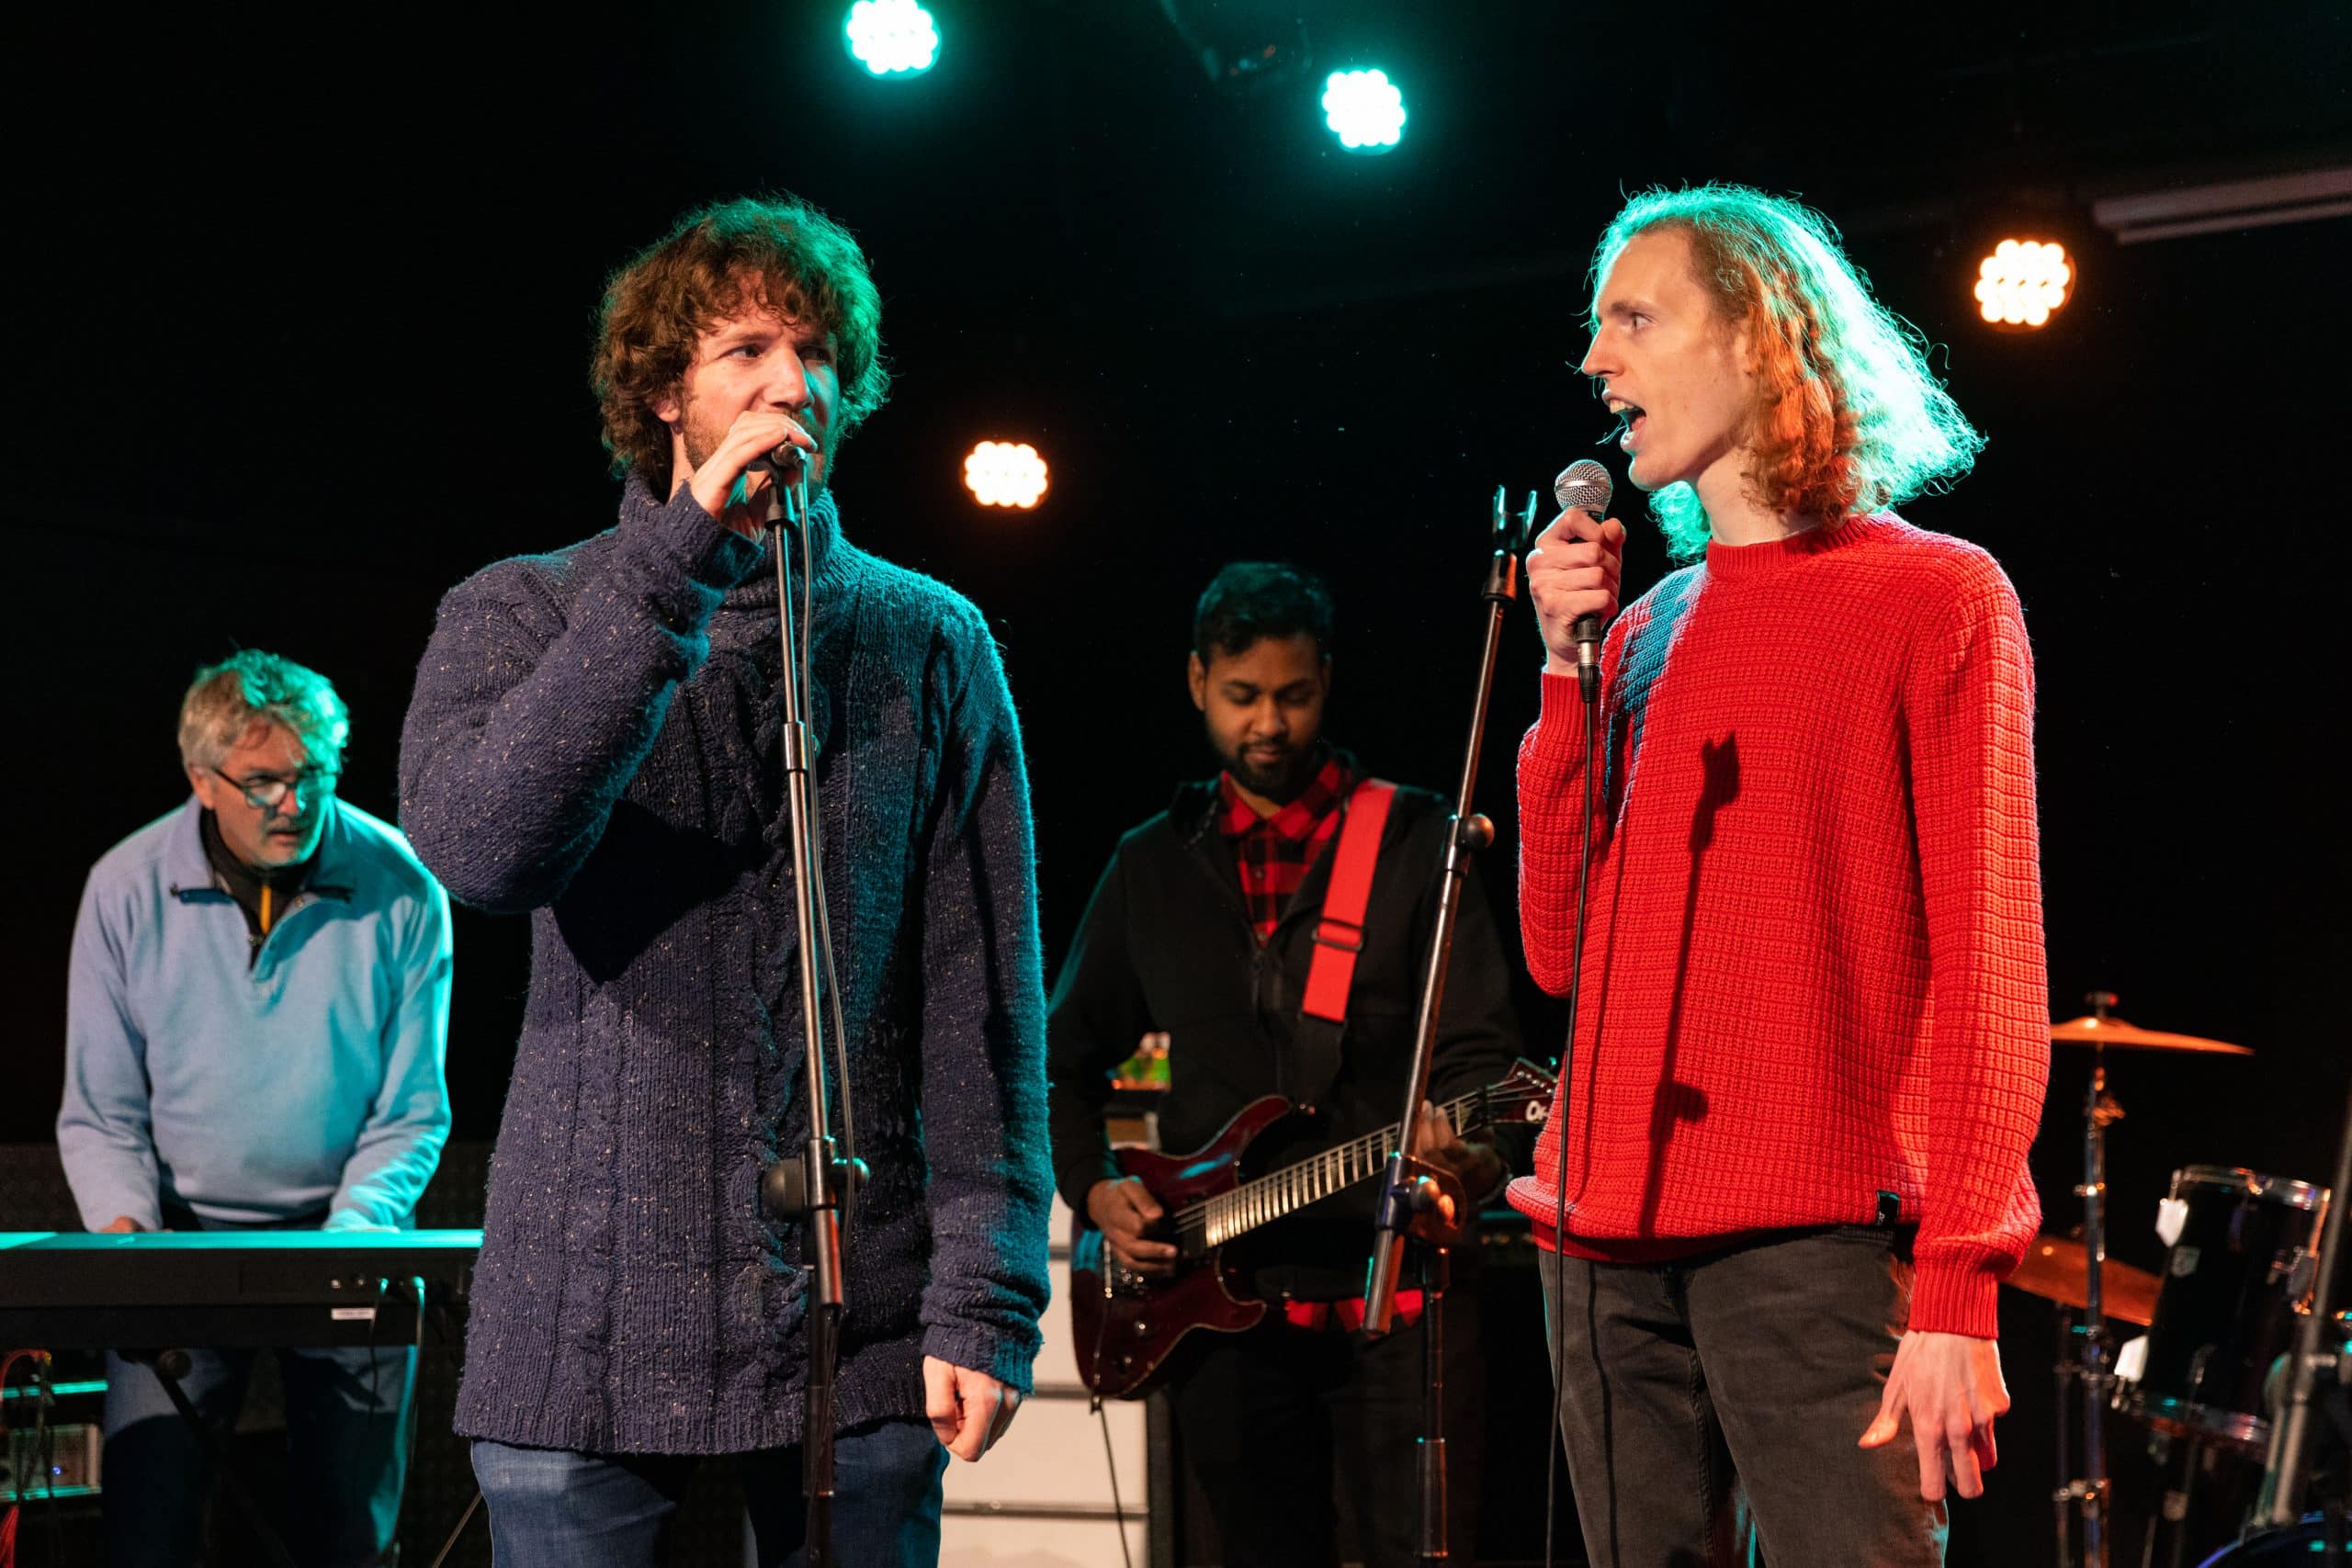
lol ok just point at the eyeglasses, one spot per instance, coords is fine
(266, 793)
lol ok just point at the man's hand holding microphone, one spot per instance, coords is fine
(1574, 567)
(733, 483)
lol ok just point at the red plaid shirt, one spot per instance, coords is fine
(1274, 854)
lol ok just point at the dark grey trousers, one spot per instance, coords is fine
(1755, 1368)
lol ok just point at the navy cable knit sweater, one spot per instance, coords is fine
(595, 739)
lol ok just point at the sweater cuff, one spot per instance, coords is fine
(978, 1351)
(700, 546)
(1559, 723)
(1954, 1298)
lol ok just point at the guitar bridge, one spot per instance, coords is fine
(1119, 1282)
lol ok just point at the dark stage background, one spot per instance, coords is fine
(304, 306)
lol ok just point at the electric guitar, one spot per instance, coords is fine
(1125, 1326)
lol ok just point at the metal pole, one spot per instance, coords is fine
(817, 1197)
(2094, 1329)
(2062, 1499)
(1470, 832)
(2283, 1483)
(1401, 1188)
(1436, 1268)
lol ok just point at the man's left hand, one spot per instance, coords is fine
(1479, 1169)
(968, 1410)
(1950, 1385)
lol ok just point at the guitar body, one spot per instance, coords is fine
(1125, 1326)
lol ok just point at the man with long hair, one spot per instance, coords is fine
(595, 739)
(1810, 1043)
(257, 1007)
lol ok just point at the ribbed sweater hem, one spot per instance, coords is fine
(733, 1432)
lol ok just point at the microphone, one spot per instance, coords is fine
(787, 466)
(1584, 486)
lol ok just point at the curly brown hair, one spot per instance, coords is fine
(778, 252)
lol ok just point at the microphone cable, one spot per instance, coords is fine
(1557, 1443)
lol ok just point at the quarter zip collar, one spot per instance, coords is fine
(195, 880)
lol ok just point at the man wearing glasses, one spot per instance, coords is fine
(257, 1004)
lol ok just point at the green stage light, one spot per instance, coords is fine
(1365, 110)
(892, 38)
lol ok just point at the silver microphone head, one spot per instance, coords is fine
(1583, 486)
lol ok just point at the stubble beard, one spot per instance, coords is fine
(702, 444)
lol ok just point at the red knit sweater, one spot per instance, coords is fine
(1812, 964)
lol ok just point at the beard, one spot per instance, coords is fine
(1278, 776)
(703, 440)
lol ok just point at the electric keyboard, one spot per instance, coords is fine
(177, 1289)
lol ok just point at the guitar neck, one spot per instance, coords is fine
(1277, 1193)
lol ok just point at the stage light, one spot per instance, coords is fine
(1365, 110)
(892, 38)
(1003, 473)
(2022, 281)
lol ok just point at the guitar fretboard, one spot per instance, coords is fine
(1215, 1221)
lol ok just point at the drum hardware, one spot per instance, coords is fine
(2280, 1532)
(2088, 1376)
(2288, 1469)
(2237, 1280)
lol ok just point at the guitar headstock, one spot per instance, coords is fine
(1521, 1095)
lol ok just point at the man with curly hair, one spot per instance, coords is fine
(1810, 1042)
(595, 739)
(256, 1011)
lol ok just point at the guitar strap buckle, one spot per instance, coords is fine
(1338, 935)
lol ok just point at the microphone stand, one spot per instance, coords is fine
(1417, 1199)
(816, 1188)
(2292, 1437)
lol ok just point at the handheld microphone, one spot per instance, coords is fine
(1584, 486)
(787, 466)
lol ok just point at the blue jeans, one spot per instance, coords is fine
(346, 1431)
(554, 1508)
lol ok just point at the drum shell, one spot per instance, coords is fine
(2275, 1547)
(2235, 1280)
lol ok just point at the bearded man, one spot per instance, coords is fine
(595, 740)
(1205, 927)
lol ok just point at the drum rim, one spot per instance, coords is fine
(2254, 1184)
(2188, 1418)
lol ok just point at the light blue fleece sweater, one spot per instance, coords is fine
(309, 1082)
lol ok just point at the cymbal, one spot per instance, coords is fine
(2090, 1029)
(2058, 1269)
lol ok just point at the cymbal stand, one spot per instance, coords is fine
(2092, 1376)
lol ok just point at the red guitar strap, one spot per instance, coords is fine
(1338, 935)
